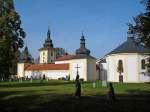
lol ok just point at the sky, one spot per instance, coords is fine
(103, 22)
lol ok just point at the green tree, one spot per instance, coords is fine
(11, 38)
(142, 25)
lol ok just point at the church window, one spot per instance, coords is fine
(120, 66)
(142, 64)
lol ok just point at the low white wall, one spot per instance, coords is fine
(62, 62)
(51, 74)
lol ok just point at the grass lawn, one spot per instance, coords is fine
(58, 96)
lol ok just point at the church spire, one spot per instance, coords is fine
(48, 42)
(26, 56)
(82, 41)
(48, 34)
(82, 50)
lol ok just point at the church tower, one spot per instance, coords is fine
(48, 54)
(25, 56)
(83, 63)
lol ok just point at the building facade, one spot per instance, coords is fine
(48, 54)
(55, 64)
(127, 62)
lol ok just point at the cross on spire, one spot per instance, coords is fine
(77, 67)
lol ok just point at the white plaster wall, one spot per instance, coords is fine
(62, 62)
(45, 56)
(54, 74)
(131, 65)
(29, 74)
(111, 69)
(20, 69)
(51, 58)
(103, 71)
(82, 63)
(91, 70)
(51, 74)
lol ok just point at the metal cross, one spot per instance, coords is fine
(77, 69)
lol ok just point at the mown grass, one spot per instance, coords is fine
(58, 96)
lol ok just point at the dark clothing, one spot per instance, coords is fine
(78, 88)
(44, 77)
(111, 94)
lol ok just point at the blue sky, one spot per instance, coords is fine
(102, 21)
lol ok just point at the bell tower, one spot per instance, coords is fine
(48, 53)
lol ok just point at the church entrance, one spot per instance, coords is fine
(121, 78)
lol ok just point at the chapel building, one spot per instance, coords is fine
(54, 63)
(126, 63)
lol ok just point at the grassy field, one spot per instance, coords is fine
(58, 96)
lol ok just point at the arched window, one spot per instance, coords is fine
(120, 66)
(142, 64)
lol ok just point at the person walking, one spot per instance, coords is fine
(111, 93)
(77, 87)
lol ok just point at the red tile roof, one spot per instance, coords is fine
(48, 67)
(65, 57)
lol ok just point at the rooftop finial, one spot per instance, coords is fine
(48, 33)
(82, 33)
(82, 36)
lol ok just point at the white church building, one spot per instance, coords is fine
(126, 63)
(54, 63)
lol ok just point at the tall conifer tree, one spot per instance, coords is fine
(11, 38)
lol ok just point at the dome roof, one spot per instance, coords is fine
(82, 52)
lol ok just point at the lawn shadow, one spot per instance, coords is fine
(137, 92)
(68, 103)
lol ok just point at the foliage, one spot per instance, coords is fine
(120, 67)
(142, 25)
(11, 38)
(141, 28)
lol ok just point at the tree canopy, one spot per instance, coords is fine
(11, 38)
(142, 25)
